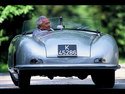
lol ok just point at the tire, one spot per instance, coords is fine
(104, 78)
(24, 79)
(14, 79)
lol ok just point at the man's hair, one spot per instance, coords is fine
(39, 20)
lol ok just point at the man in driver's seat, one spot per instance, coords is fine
(43, 26)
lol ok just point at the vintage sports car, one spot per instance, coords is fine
(72, 49)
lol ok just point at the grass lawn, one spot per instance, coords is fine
(4, 67)
(122, 61)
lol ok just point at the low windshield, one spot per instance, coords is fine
(73, 23)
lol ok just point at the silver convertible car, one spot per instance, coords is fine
(72, 49)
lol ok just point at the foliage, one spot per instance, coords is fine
(2, 38)
(11, 18)
(122, 61)
(3, 68)
(10, 11)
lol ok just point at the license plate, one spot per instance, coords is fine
(67, 50)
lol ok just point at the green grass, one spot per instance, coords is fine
(122, 61)
(4, 67)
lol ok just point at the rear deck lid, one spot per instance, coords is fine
(68, 43)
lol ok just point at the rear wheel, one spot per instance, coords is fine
(104, 78)
(14, 78)
(24, 79)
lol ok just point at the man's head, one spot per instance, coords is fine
(43, 23)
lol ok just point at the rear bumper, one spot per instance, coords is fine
(65, 69)
(67, 66)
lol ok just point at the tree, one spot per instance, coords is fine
(112, 19)
(11, 17)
